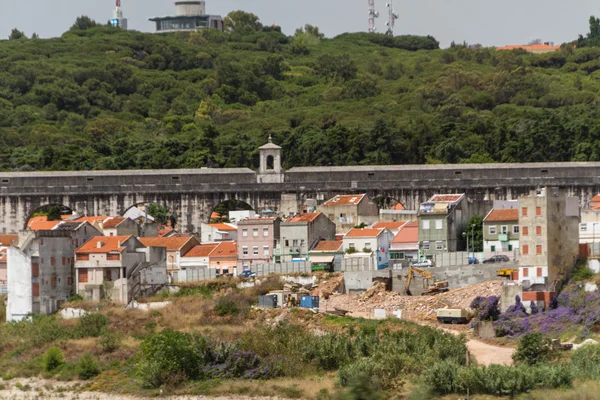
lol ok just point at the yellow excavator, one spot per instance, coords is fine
(435, 288)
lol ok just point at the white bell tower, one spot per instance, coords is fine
(270, 163)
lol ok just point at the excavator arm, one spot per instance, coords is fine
(411, 274)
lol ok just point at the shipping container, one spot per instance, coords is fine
(309, 302)
(452, 315)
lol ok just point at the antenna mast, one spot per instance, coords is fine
(372, 15)
(118, 3)
(391, 24)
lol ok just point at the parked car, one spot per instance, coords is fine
(248, 274)
(496, 259)
(423, 264)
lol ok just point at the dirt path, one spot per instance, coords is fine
(487, 354)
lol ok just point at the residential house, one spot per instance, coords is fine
(119, 269)
(441, 220)
(326, 254)
(348, 211)
(301, 233)
(405, 245)
(369, 242)
(397, 213)
(393, 227)
(256, 240)
(176, 246)
(501, 233)
(223, 258)
(40, 268)
(220, 232)
(120, 226)
(197, 256)
(589, 229)
(5, 241)
(549, 236)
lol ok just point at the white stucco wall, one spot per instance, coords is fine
(19, 285)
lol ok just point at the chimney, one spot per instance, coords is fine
(99, 244)
(118, 243)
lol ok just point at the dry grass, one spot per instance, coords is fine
(305, 388)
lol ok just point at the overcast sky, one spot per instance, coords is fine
(489, 22)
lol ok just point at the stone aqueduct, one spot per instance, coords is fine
(193, 194)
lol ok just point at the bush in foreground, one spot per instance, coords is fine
(53, 358)
(87, 366)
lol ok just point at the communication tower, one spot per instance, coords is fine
(118, 21)
(391, 24)
(372, 15)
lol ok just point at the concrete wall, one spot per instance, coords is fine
(20, 299)
(509, 292)
(359, 282)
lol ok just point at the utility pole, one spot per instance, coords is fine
(392, 17)
(372, 15)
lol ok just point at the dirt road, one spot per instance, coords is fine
(487, 354)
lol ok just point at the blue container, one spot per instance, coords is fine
(309, 302)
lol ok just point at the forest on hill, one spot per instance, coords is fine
(104, 98)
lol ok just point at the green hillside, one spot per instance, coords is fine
(103, 98)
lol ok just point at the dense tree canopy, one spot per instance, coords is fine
(103, 98)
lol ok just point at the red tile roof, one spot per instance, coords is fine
(328, 245)
(7, 240)
(596, 198)
(595, 207)
(113, 222)
(201, 250)
(3, 257)
(307, 217)
(110, 244)
(511, 214)
(171, 243)
(408, 234)
(344, 200)
(366, 232)
(225, 249)
(398, 207)
(445, 198)
(92, 219)
(224, 227)
(389, 225)
(164, 230)
(43, 225)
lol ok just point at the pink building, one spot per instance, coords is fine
(257, 239)
(224, 257)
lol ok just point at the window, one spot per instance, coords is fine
(69, 281)
(52, 261)
(583, 227)
(82, 257)
(245, 232)
(538, 211)
(493, 249)
(35, 270)
(525, 231)
(504, 229)
(265, 232)
(510, 247)
(113, 257)
(295, 243)
(515, 229)
(83, 275)
(425, 245)
(255, 232)
(439, 245)
(525, 272)
(255, 250)
(492, 230)
(287, 243)
(35, 290)
(64, 260)
(539, 272)
(538, 230)
(425, 224)
(438, 224)
(245, 250)
(525, 249)
(538, 249)
(301, 242)
(108, 275)
(368, 245)
(265, 250)
(524, 211)
(53, 281)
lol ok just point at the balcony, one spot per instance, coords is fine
(503, 237)
(277, 251)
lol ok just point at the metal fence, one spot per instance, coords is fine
(193, 275)
(282, 268)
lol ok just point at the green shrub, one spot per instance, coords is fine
(226, 307)
(441, 377)
(362, 387)
(533, 349)
(75, 298)
(87, 366)
(66, 372)
(110, 341)
(586, 361)
(92, 324)
(53, 358)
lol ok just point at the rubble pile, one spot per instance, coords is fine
(413, 307)
(328, 287)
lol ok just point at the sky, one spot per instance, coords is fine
(489, 22)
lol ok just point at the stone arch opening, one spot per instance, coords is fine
(388, 203)
(150, 213)
(49, 213)
(270, 163)
(231, 210)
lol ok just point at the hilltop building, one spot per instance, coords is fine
(118, 21)
(350, 210)
(189, 16)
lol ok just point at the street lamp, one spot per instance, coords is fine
(473, 238)
(466, 235)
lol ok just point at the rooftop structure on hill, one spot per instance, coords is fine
(189, 16)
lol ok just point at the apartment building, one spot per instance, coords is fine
(257, 239)
(299, 234)
(441, 219)
(348, 211)
(501, 233)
